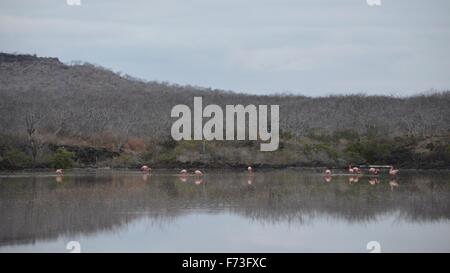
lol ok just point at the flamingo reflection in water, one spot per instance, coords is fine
(145, 177)
(250, 179)
(183, 178)
(374, 181)
(393, 184)
(353, 179)
(198, 181)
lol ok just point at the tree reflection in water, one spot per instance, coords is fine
(39, 207)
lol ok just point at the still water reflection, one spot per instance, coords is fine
(225, 211)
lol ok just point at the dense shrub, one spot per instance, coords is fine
(15, 159)
(371, 151)
(63, 159)
(126, 160)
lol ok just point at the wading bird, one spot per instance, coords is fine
(392, 171)
(250, 170)
(350, 169)
(145, 168)
(356, 170)
(183, 171)
(59, 171)
(198, 173)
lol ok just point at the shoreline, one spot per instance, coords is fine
(242, 168)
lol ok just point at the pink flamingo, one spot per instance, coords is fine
(198, 173)
(183, 171)
(356, 170)
(145, 168)
(327, 172)
(392, 171)
(374, 171)
(250, 170)
(59, 171)
(350, 169)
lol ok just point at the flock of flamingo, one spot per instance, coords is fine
(374, 172)
(354, 178)
(352, 170)
(184, 172)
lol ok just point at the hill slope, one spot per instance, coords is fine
(90, 105)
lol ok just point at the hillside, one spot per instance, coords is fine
(126, 121)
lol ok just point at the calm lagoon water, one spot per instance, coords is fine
(289, 210)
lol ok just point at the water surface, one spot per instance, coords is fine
(289, 210)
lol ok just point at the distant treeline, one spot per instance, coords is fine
(44, 101)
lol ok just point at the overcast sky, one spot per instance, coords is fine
(305, 47)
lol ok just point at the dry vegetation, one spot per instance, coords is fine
(110, 119)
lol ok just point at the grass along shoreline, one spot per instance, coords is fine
(336, 151)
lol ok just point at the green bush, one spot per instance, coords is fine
(122, 161)
(371, 151)
(15, 159)
(327, 148)
(346, 134)
(168, 157)
(63, 159)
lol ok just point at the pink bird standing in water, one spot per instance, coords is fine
(350, 169)
(356, 170)
(392, 171)
(250, 171)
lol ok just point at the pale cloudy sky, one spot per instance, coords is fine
(308, 47)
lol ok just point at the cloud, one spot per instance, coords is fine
(295, 59)
(253, 45)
